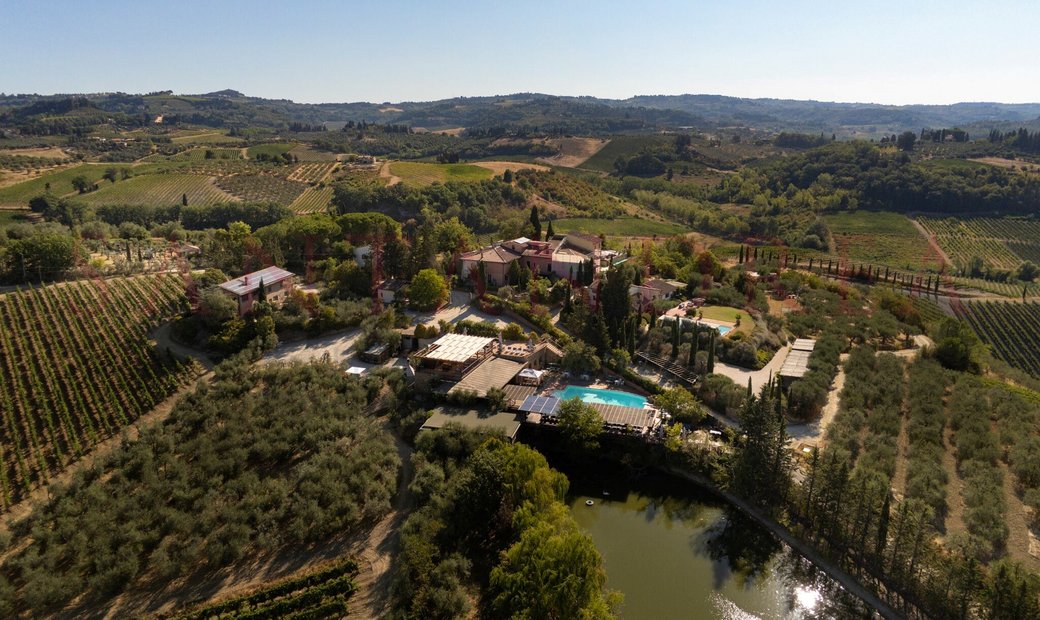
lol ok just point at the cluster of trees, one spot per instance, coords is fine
(491, 521)
(205, 488)
(978, 451)
(926, 479)
(884, 182)
(482, 206)
(800, 140)
(1021, 139)
(843, 503)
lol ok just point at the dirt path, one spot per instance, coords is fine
(1022, 545)
(931, 242)
(813, 433)
(384, 173)
(376, 554)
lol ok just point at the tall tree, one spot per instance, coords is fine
(536, 223)
(615, 301)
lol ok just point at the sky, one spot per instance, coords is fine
(880, 51)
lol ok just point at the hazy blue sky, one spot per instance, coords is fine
(909, 51)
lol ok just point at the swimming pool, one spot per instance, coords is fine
(723, 329)
(601, 397)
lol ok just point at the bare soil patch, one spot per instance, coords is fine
(384, 173)
(1021, 544)
(453, 131)
(51, 152)
(498, 167)
(574, 151)
(1013, 164)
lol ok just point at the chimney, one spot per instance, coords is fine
(245, 279)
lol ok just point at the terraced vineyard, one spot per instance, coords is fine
(1004, 289)
(262, 188)
(314, 200)
(881, 238)
(1002, 242)
(158, 189)
(1013, 329)
(312, 172)
(320, 594)
(75, 367)
(200, 154)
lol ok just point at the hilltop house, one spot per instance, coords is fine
(277, 282)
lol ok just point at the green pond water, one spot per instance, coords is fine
(687, 555)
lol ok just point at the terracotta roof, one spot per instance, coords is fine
(494, 254)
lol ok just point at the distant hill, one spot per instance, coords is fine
(532, 112)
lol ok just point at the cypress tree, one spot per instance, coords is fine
(741, 259)
(711, 352)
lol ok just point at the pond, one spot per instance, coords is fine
(675, 552)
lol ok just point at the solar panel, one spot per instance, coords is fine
(545, 405)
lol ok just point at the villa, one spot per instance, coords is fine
(277, 283)
(559, 257)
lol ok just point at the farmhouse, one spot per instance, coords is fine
(277, 284)
(389, 291)
(650, 291)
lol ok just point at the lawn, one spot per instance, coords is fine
(425, 174)
(881, 238)
(273, 149)
(723, 313)
(617, 227)
(158, 189)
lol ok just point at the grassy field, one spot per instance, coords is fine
(272, 149)
(314, 200)
(619, 227)
(624, 146)
(306, 153)
(158, 189)
(8, 216)
(60, 183)
(200, 154)
(425, 174)
(881, 238)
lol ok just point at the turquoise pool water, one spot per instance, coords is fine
(601, 397)
(723, 330)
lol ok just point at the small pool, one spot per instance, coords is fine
(601, 397)
(723, 329)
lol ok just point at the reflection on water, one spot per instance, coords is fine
(686, 555)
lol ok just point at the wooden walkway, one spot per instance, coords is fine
(669, 366)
